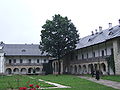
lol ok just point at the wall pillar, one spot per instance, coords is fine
(2, 63)
(116, 56)
(61, 67)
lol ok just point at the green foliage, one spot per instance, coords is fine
(111, 63)
(58, 36)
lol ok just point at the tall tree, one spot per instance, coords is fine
(58, 37)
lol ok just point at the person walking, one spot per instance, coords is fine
(92, 73)
(97, 75)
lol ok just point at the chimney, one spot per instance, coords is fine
(1, 42)
(100, 28)
(110, 26)
(119, 22)
(92, 32)
(96, 31)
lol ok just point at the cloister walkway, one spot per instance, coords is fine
(108, 83)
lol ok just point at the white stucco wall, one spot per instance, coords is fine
(97, 49)
(26, 59)
(2, 63)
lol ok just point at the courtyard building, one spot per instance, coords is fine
(22, 59)
(98, 51)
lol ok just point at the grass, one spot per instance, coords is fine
(112, 78)
(68, 80)
(74, 82)
(16, 81)
(108, 77)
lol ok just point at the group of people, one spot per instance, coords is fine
(96, 74)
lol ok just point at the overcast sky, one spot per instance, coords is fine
(21, 20)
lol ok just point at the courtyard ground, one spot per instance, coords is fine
(110, 83)
(74, 82)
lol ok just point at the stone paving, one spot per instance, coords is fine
(56, 85)
(108, 83)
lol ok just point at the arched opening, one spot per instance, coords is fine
(54, 67)
(75, 69)
(66, 69)
(16, 71)
(37, 70)
(90, 68)
(71, 69)
(23, 71)
(103, 68)
(8, 71)
(30, 70)
(95, 66)
(84, 69)
(57, 67)
(79, 69)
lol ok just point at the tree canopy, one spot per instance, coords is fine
(59, 36)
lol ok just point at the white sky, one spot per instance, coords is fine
(21, 20)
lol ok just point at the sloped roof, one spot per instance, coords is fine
(22, 50)
(99, 37)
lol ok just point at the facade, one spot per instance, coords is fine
(22, 59)
(98, 51)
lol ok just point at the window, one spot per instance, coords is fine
(21, 61)
(82, 56)
(38, 61)
(10, 61)
(111, 51)
(44, 60)
(106, 52)
(93, 54)
(14, 61)
(76, 57)
(102, 53)
(29, 61)
(87, 55)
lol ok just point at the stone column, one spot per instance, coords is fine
(61, 67)
(116, 56)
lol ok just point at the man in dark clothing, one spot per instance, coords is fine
(92, 73)
(97, 75)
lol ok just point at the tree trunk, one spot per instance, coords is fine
(59, 67)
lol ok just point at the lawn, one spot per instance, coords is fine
(107, 77)
(16, 81)
(74, 82)
(112, 78)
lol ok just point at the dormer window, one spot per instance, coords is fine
(110, 33)
(89, 40)
(23, 50)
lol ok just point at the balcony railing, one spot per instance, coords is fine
(87, 60)
(24, 64)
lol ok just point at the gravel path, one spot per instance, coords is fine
(108, 83)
